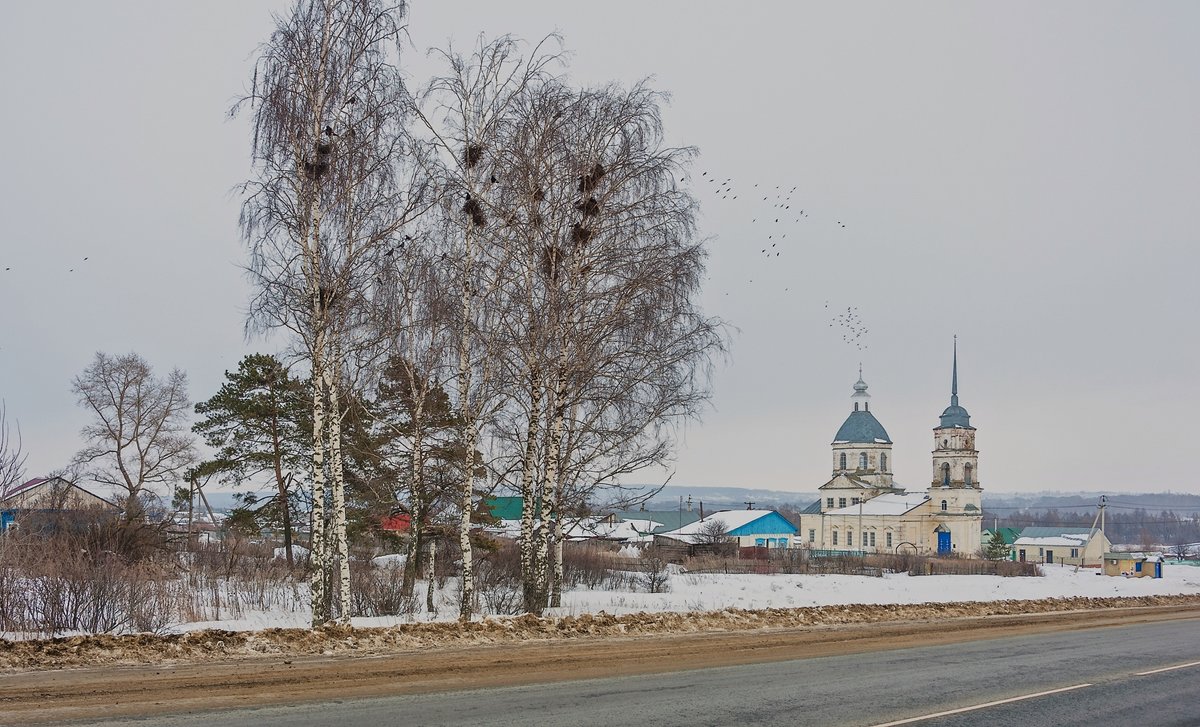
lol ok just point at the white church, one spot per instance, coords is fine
(863, 509)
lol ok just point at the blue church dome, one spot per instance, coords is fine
(861, 427)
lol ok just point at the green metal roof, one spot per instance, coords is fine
(504, 508)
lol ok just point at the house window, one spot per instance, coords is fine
(843, 460)
(812, 535)
(1074, 552)
(854, 500)
(783, 542)
(883, 463)
(862, 461)
(850, 539)
(872, 539)
(889, 539)
(946, 474)
(944, 506)
(760, 542)
(835, 537)
(841, 502)
(828, 502)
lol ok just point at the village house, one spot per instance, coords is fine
(1065, 545)
(745, 528)
(49, 495)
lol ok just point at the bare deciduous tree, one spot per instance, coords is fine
(12, 456)
(138, 441)
(328, 105)
(713, 532)
(462, 115)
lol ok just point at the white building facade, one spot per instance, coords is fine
(863, 509)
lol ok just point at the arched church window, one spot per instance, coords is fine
(967, 475)
(883, 463)
(944, 508)
(945, 444)
(946, 474)
(862, 461)
(843, 460)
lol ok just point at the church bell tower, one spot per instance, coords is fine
(955, 459)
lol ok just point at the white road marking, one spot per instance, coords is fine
(1167, 668)
(948, 712)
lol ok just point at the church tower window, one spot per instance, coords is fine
(967, 475)
(946, 474)
(843, 460)
(862, 461)
(883, 463)
(944, 506)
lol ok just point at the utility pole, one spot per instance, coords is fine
(1099, 517)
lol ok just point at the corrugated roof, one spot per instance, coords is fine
(1044, 532)
(731, 519)
(889, 504)
(504, 508)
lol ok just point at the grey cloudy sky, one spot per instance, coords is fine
(1024, 175)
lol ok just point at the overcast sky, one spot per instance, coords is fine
(1023, 175)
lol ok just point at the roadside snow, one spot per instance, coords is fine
(715, 592)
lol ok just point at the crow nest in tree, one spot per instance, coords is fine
(475, 212)
(327, 298)
(581, 235)
(316, 167)
(538, 194)
(472, 155)
(591, 180)
(535, 219)
(315, 170)
(590, 207)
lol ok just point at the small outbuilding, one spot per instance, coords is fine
(1133, 565)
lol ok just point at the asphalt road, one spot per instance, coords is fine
(1095, 677)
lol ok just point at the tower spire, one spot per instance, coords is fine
(954, 377)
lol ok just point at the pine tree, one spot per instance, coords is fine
(996, 548)
(259, 425)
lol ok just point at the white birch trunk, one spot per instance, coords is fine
(554, 528)
(470, 433)
(317, 550)
(430, 566)
(531, 581)
(341, 546)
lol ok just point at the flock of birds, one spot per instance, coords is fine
(851, 326)
(772, 226)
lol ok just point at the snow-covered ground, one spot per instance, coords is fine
(715, 592)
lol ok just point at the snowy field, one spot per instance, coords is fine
(715, 592)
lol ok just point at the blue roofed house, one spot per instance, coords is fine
(763, 528)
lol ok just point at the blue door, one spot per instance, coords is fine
(943, 543)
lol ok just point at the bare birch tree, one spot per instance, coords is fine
(462, 113)
(138, 442)
(328, 105)
(614, 345)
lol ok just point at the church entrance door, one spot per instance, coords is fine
(943, 543)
